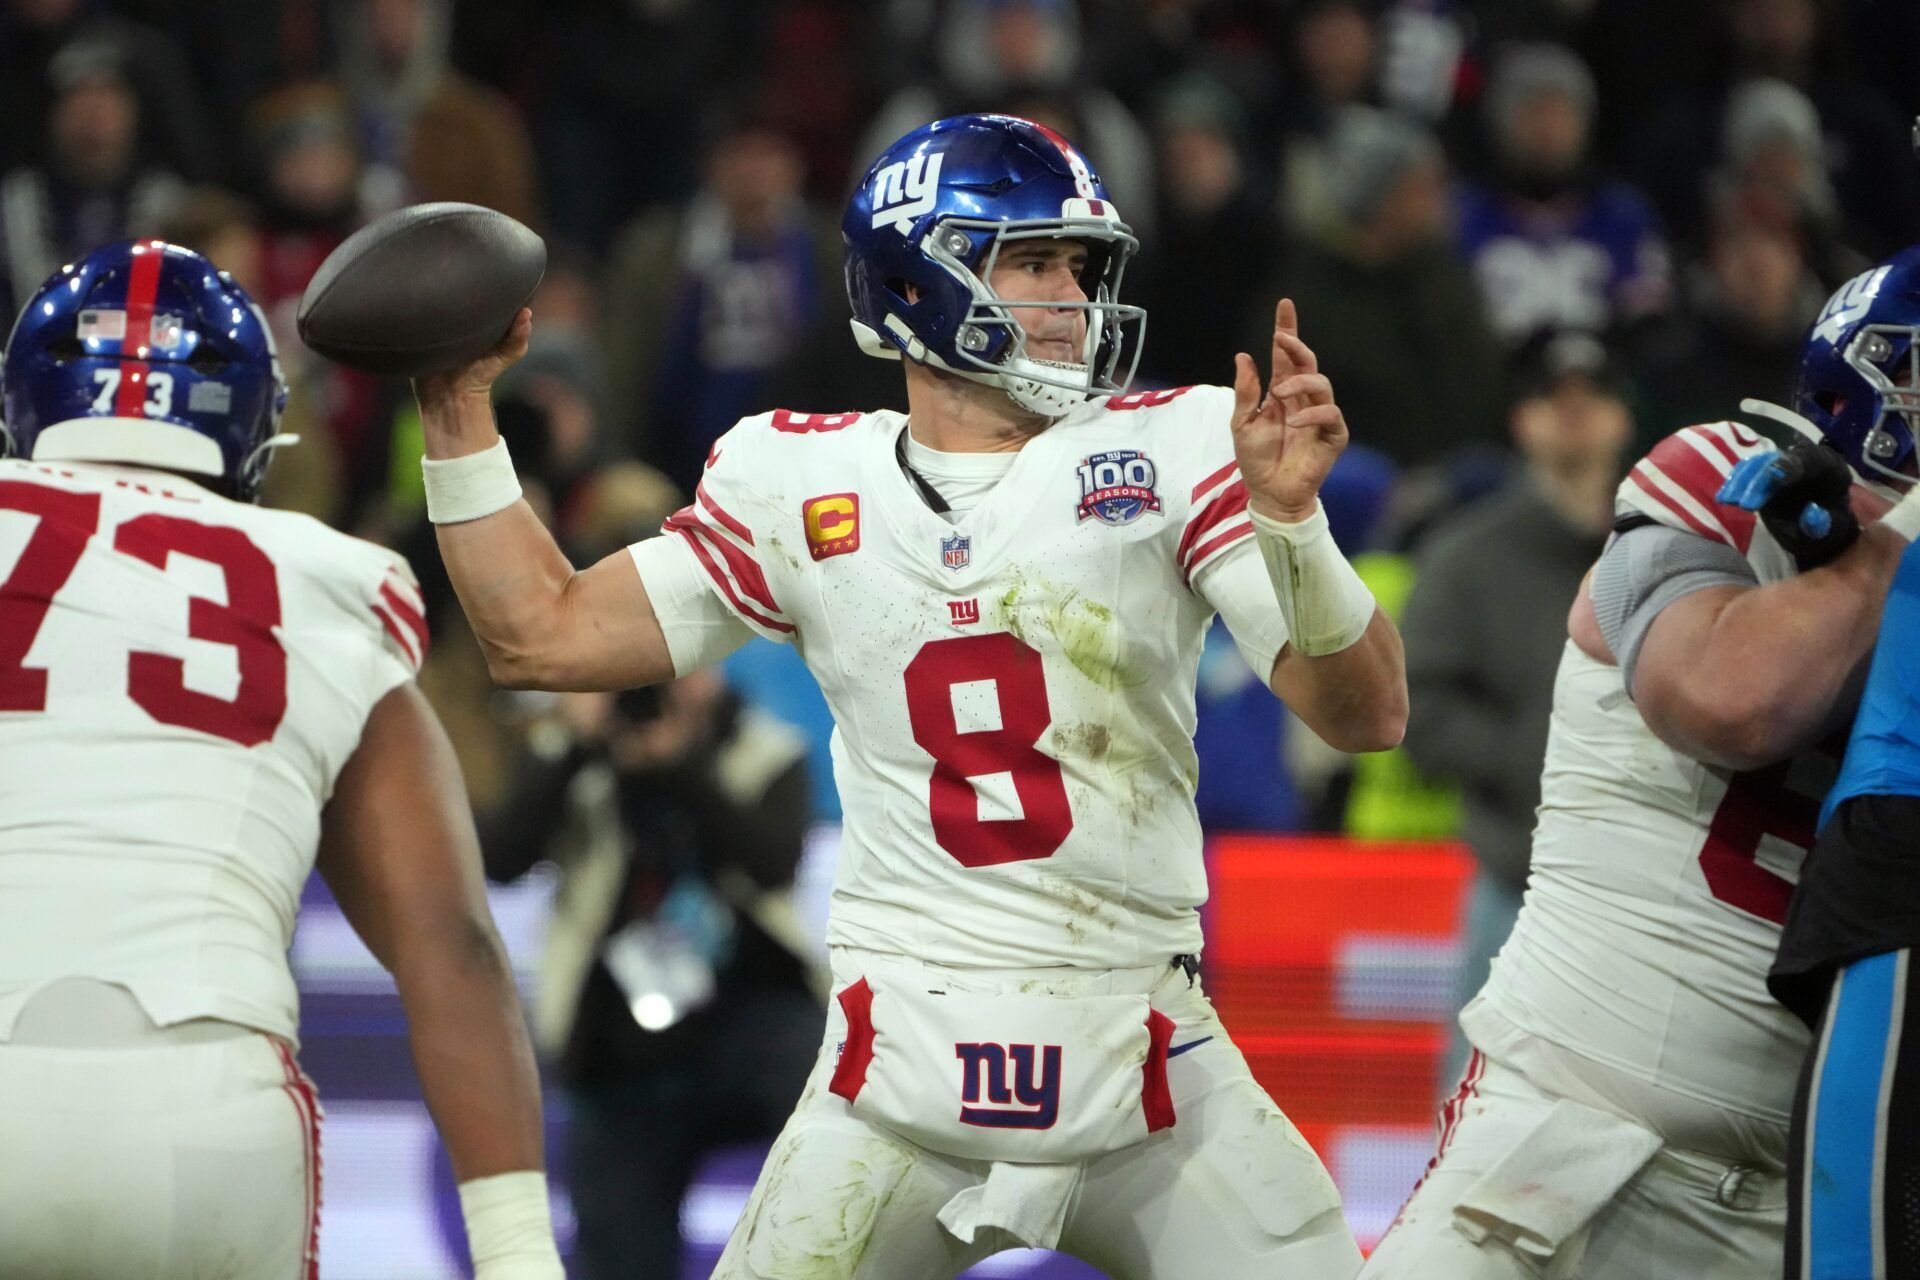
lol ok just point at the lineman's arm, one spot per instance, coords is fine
(399, 852)
(541, 623)
(1744, 676)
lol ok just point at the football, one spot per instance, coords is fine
(422, 289)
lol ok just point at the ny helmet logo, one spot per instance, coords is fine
(906, 189)
(1849, 304)
(1016, 1096)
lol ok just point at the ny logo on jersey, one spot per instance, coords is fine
(1117, 487)
(963, 613)
(1849, 304)
(905, 190)
(1015, 1097)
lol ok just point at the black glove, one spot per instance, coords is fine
(1801, 495)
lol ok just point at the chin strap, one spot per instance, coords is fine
(1788, 418)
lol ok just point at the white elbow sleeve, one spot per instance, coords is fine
(510, 1228)
(1325, 604)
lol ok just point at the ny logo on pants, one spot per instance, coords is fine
(1016, 1099)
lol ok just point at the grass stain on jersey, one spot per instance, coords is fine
(1088, 740)
(1083, 631)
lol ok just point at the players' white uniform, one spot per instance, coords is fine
(1014, 696)
(182, 678)
(1633, 985)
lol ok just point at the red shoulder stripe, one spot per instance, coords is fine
(1690, 464)
(1653, 490)
(407, 613)
(1217, 477)
(1231, 502)
(1207, 548)
(705, 497)
(1719, 443)
(401, 636)
(739, 568)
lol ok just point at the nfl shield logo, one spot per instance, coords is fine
(956, 552)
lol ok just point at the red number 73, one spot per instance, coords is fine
(64, 523)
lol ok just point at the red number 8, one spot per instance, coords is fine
(1020, 688)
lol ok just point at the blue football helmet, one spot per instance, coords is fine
(1859, 377)
(145, 353)
(933, 213)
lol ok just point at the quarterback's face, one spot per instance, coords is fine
(1045, 271)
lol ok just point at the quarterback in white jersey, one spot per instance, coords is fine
(199, 697)
(1626, 1112)
(1003, 595)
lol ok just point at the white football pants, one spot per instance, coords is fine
(168, 1162)
(1529, 1185)
(1230, 1192)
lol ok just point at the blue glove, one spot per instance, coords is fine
(1801, 495)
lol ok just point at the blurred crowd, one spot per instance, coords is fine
(1446, 187)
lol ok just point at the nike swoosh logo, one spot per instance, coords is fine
(1177, 1050)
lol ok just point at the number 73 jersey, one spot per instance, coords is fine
(1013, 694)
(182, 679)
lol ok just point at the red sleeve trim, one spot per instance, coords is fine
(400, 635)
(407, 612)
(1217, 478)
(1206, 549)
(705, 498)
(699, 537)
(1651, 488)
(1231, 502)
(1696, 462)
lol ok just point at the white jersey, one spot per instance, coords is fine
(182, 678)
(1014, 692)
(1659, 884)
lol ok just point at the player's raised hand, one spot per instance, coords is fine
(476, 378)
(1286, 439)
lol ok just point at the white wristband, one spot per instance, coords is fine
(510, 1228)
(1904, 517)
(470, 486)
(1325, 605)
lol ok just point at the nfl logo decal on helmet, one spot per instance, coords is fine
(1117, 487)
(145, 353)
(925, 227)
